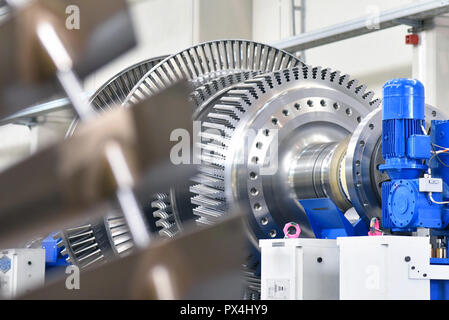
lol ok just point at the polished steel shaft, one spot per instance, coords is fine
(316, 173)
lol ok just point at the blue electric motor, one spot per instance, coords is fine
(406, 150)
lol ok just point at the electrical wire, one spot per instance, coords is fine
(436, 154)
(436, 145)
(436, 202)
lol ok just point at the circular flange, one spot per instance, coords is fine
(270, 195)
(363, 156)
(294, 108)
(402, 202)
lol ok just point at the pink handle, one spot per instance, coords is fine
(374, 228)
(288, 226)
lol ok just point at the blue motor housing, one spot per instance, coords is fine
(406, 150)
(404, 145)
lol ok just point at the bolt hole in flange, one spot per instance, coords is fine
(254, 191)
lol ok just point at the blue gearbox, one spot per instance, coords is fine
(404, 208)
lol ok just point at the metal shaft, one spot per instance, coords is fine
(316, 173)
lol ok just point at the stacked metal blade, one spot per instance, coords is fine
(165, 220)
(115, 90)
(210, 60)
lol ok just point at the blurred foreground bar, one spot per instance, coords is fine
(63, 184)
(27, 74)
(201, 264)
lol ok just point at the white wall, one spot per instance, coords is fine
(168, 26)
(162, 27)
(15, 144)
(372, 58)
(218, 19)
(271, 20)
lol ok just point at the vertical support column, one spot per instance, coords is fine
(301, 8)
(431, 62)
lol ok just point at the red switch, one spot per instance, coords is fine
(412, 39)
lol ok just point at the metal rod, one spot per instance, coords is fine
(293, 18)
(303, 27)
(418, 11)
(25, 116)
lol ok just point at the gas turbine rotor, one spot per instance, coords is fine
(309, 113)
(210, 68)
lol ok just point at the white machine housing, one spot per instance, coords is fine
(22, 270)
(299, 269)
(384, 267)
(376, 267)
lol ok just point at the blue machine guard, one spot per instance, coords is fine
(328, 222)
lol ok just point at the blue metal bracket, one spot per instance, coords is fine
(328, 222)
(5, 264)
(53, 256)
(439, 289)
